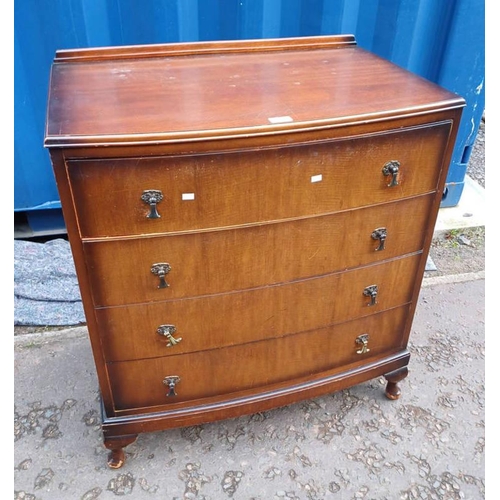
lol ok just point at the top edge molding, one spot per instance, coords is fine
(203, 48)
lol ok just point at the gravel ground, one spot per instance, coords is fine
(458, 251)
(350, 445)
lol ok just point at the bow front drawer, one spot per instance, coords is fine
(179, 193)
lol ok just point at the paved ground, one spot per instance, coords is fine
(355, 444)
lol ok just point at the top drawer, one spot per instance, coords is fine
(236, 188)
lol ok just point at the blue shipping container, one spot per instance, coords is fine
(442, 40)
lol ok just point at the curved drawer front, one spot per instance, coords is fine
(254, 366)
(229, 260)
(189, 325)
(220, 190)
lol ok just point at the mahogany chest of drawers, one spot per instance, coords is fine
(249, 220)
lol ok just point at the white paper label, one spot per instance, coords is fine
(188, 196)
(280, 119)
(317, 178)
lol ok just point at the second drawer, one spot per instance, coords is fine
(120, 271)
(189, 325)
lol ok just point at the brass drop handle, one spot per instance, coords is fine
(372, 292)
(362, 341)
(168, 331)
(152, 197)
(161, 269)
(171, 381)
(392, 168)
(380, 234)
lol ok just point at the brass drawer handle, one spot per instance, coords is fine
(392, 168)
(168, 331)
(152, 197)
(171, 381)
(362, 341)
(380, 234)
(372, 292)
(161, 269)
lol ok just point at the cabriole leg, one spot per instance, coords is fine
(392, 390)
(116, 456)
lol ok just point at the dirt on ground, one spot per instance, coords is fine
(461, 251)
(458, 251)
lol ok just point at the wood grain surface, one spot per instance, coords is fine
(259, 365)
(206, 95)
(237, 259)
(273, 311)
(220, 190)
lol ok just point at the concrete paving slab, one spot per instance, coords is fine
(471, 210)
(354, 444)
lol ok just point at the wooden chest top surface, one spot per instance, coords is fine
(191, 91)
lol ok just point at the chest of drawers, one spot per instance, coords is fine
(249, 220)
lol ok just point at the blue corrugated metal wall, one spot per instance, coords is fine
(442, 40)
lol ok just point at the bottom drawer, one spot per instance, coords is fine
(253, 366)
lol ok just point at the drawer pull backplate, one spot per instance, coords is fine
(161, 269)
(168, 331)
(171, 381)
(380, 234)
(152, 197)
(362, 341)
(372, 292)
(392, 168)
